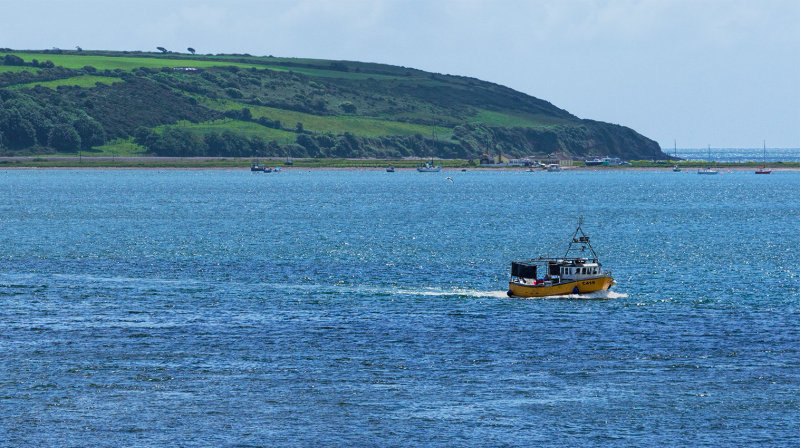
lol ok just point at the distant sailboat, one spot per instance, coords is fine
(675, 168)
(708, 169)
(763, 169)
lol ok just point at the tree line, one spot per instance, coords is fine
(27, 124)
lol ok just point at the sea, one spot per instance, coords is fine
(736, 155)
(224, 308)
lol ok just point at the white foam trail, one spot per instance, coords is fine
(597, 295)
(452, 292)
(437, 292)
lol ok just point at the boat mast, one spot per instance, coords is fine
(582, 241)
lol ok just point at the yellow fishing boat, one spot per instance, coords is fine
(542, 277)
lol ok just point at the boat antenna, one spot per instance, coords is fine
(581, 241)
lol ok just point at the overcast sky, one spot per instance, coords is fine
(724, 73)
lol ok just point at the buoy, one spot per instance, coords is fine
(510, 294)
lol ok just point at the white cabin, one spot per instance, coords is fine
(580, 272)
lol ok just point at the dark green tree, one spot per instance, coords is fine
(18, 130)
(144, 136)
(191, 50)
(12, 59)
(90, 131)
(217, 146)
(65, 138)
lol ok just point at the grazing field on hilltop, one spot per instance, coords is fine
(86, 81)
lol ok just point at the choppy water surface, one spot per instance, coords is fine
(224, 308)
(737, 155)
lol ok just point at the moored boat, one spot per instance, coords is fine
(764, 169)
(390, 168)
(428, 167)
(676, 168)
(708, 169)
(544, 276)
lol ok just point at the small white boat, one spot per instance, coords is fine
(554, 168)
(675, 168)
(708, 169)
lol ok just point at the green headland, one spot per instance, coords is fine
(237, 107)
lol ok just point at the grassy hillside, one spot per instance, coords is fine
(241, 106)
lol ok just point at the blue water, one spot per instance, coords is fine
(328, 308)
(738, 155)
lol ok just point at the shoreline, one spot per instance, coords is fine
(722, 170)
(221, 163)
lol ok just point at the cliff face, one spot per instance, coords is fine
(585, 138)
(239, 105)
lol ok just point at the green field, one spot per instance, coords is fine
(127, 63)
(238, 127)
(78, 81)
(335, 124)
(119, 148)
(76, 61)
(16, 69)
(493, 118)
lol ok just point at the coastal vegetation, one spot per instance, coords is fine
(193, 105)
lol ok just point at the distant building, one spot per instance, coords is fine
(520, 162)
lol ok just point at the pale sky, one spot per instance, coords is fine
(724, 73)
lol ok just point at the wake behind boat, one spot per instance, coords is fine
(544, 276)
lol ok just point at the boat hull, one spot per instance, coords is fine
(584, 286)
